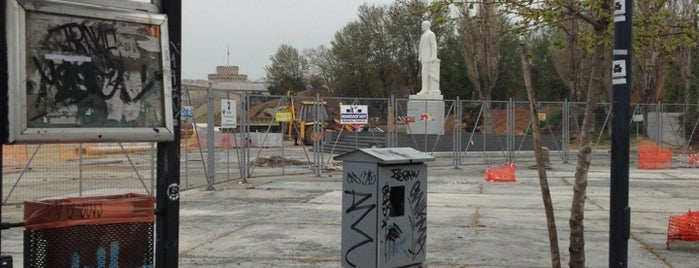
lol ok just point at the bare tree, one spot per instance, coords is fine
(540, 162)
(480, 40)
(596, 15)
(322, 63)
(686, 11)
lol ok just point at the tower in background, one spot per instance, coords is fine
(227, 74)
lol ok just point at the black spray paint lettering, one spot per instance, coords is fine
(175, 83)
(359, 206)
(393, 240)
(404, 175)
(385, 205)
(365, 178)
(82, 210)
(418, 221)
(83, 39)
(91, 210)
(101, 73)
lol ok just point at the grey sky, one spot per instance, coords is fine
(254, 30)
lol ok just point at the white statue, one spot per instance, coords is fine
(427, 55)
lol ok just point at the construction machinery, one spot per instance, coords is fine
(309, 121)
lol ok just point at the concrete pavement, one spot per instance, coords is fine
(294, 221)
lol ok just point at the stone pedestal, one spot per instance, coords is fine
(428, 113)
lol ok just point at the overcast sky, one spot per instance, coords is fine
(254, 30)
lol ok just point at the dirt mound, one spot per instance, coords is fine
(522, 118)
(277, 161)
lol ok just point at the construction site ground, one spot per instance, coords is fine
(295, 220)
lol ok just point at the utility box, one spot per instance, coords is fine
(384, 207)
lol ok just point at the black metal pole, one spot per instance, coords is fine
(619, 210)
(4, 87)
(168, 165)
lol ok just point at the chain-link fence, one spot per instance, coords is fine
(283, 135)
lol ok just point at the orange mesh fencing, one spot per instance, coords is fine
(14, 156)
(90, 210)
(652, 156)
(504, 173)
(683, 227)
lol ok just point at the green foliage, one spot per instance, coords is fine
(376, 55)
(509, 83)
(287, 72)
(548, 84)
(454, 81)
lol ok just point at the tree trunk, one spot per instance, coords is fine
(541, 163)
(577, 214)
(488, 124)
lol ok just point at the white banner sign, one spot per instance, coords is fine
(228, 114)
(354, 114)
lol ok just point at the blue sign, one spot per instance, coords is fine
(187, 112)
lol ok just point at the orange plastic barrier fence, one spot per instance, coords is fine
(683, 227)
(652, 156)
(107, 209)
(504, 173)
(95, 231)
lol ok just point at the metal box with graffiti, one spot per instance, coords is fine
(384, 207)
(88, 73)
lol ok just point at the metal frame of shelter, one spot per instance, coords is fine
(168, 160)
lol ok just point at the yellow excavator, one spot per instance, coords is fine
(309, 119)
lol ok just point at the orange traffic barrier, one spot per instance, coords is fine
(683, 227)
(107, 209)
(95, 231)
(652, 156)
(504, 173)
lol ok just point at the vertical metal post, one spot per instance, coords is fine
(153, 157)
(3, 91)
(80, 169)
(244, 128)
(168, 198)
(566, 130)
(510, 130)
(457, 133)
(210, 145)
(228, 151)
(186, 154)
(424, 149)
(389, 122)
(316, 142)
(619, 210)
(659, 120)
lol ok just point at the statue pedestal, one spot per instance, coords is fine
(428, 113)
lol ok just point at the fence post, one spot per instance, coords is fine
(457, 133)
(80, 169)
(389, 122)
(510, 130)
(566, 130)
(210, 147)
(244, 128)
(168, 173)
